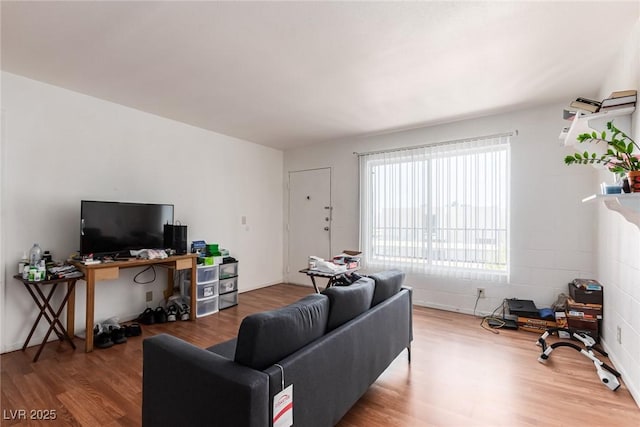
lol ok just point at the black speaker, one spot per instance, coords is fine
(175, 237)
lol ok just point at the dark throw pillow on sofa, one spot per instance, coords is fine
(388, 283)
(267, 337)
(348, 302)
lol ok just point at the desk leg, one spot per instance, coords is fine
(91, 293)
(315, 286)
(35, 324)
(71, 309)
(55, 322)
(170, 284)
(194, 272)
(332, 281)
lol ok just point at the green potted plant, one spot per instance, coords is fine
(620, 157)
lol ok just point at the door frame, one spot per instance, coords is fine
(287, 267)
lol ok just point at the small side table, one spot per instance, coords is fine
(333, 277)
(48, 312)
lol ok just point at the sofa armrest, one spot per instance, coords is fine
(410, 290)
(186, 385)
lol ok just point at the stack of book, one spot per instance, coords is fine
(617, 100)
(620, 99)
(348, 258)
(584, 105)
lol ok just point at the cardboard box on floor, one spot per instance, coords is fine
(588, 311)
(586, 291)
(535, 325)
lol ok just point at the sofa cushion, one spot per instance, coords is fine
(226, 349)
(267, 337)
(348, 302)
(388, 283)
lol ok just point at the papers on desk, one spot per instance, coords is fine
(348, 258)
(326, 266)
(149, 253)
(65, 271)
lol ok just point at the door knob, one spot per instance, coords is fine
(326, 229)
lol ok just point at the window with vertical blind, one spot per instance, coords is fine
(440, 209)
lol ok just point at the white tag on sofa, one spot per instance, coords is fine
(283, 408)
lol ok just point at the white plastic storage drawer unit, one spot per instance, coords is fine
(207, 290)
(207, 306)
(228, 270)
(228, 300)
(203, 290)
(207, 273)
(228, 285)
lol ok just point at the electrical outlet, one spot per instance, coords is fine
(480, 293)
(618, 334)
(149, 296)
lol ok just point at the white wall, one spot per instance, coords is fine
(618, 244)
(552, 232)
(60, 147)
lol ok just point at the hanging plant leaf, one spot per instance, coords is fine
(619, 156)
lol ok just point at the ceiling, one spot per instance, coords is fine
(288, 74)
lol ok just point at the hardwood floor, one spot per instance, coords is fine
(460, 375)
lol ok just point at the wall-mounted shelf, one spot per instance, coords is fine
(583, 123)
(627, 204)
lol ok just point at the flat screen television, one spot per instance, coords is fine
(115, 228)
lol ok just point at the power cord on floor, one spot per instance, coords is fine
(500, 321)
(476, 305)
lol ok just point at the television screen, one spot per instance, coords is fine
(115, 227)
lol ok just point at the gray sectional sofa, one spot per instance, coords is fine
(330, 346)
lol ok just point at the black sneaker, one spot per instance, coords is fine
(160, 315)
(183, 311)
(101, 337)
(117, 335)
(132, 330)
(147, 317)
(172, 313)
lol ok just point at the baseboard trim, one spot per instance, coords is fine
(450, 308)
(620, 368)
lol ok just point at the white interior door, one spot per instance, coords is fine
(309, 220)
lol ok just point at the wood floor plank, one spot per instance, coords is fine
(460, 375)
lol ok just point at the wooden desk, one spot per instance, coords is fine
(111, 270)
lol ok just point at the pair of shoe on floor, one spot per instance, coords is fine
(161, 315)
(177, 311)
(151, 316)
(108, 333)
